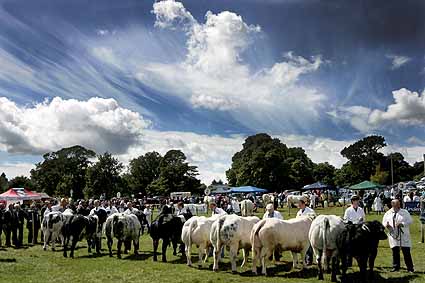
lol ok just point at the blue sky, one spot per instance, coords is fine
(131, 76)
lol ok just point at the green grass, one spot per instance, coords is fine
(32, 264)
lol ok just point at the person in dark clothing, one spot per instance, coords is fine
(2, 220)
(33, 224)
(20, 221)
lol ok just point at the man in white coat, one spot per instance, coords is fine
(397, 221)
(355, 214)
(271, 213)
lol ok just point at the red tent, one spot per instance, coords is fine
(17, 194)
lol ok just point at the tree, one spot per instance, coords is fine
(402, 171)
(364, 156)
(268, 163)
(175, 175)
(104, 177)
(143, 170)
(20, 182)
(347, 176)
(62, 171)
(380, 177)
(4, 182)
(325, 173)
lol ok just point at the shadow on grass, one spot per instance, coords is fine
(140, 256)
(377, 278)
(8, 260)
(92, 255)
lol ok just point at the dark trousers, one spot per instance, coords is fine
(14, 231)
(7, 232)
(20, 235)
(32, 239)
(406, 255)
(309, 255)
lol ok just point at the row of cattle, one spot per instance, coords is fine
(332, 240)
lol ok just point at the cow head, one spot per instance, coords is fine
(376, 228)
(102, 214)
(141, 217)
(118, 227)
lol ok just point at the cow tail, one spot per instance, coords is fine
(220, 224)
(111, 235)
(254, 236)
(192, 226)
(325, 232)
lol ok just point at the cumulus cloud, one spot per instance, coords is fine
(397, 60)
(97, 123)
(16, 169)
(408, 109)
(214, 74)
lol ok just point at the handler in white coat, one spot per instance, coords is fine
(355, 214)
(397, 221)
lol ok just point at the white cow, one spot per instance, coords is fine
(268, 198)
(196, 231)
(323, 235)
(52, 228)
(232, 231)
(247, 208)
(287, 235)
(294, 200)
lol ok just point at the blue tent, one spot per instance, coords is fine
(247, 190)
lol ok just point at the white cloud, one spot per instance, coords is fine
(214, 74)
(97, 123)
(16, 169)
(106, 54)
(408, 109)
(397, 60)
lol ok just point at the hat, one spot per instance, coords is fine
(355, 197)
(269, 206)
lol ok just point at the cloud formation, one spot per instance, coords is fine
(215, 76)
(97, 123)
(398, 61)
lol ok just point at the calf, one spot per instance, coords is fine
(361, 242)
(247, 208)
(196, 231)
(286, 235)
(234, 232)
(52, 226)
(323, 235)
(124, 227)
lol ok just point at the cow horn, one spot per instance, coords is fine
(364, 227)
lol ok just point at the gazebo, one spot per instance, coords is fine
(19, 194)
(366, 185)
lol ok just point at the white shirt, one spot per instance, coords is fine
(130, 211)
(356, 217)
(181, 211)
(275, 214)
(407, 199)
(396, 237)
(235, 206)
(218, 211)
(306, 211)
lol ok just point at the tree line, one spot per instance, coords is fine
(264, 162)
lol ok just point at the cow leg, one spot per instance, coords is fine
(372, 258)
(319, 264)
(188, 253)
(334, 268)
(265, 254)
(73, 245)
(255, 257)
(136, 246)
(303, 256)
(155, 243)
(88, 245)
(216, 256)
(233, 256)
(53, 239)
(165, 243)
(65, 245)
(119, 244)
(294, 259)
(362, 261)
(46, 239)
(109, 242)
(344, 266)
(245, 253)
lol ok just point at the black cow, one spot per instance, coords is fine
(167, 227)
(361, 242)
(73, 227)
(94, 239)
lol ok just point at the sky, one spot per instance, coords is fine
(134, 76)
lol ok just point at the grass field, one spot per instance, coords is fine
(32, 264)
